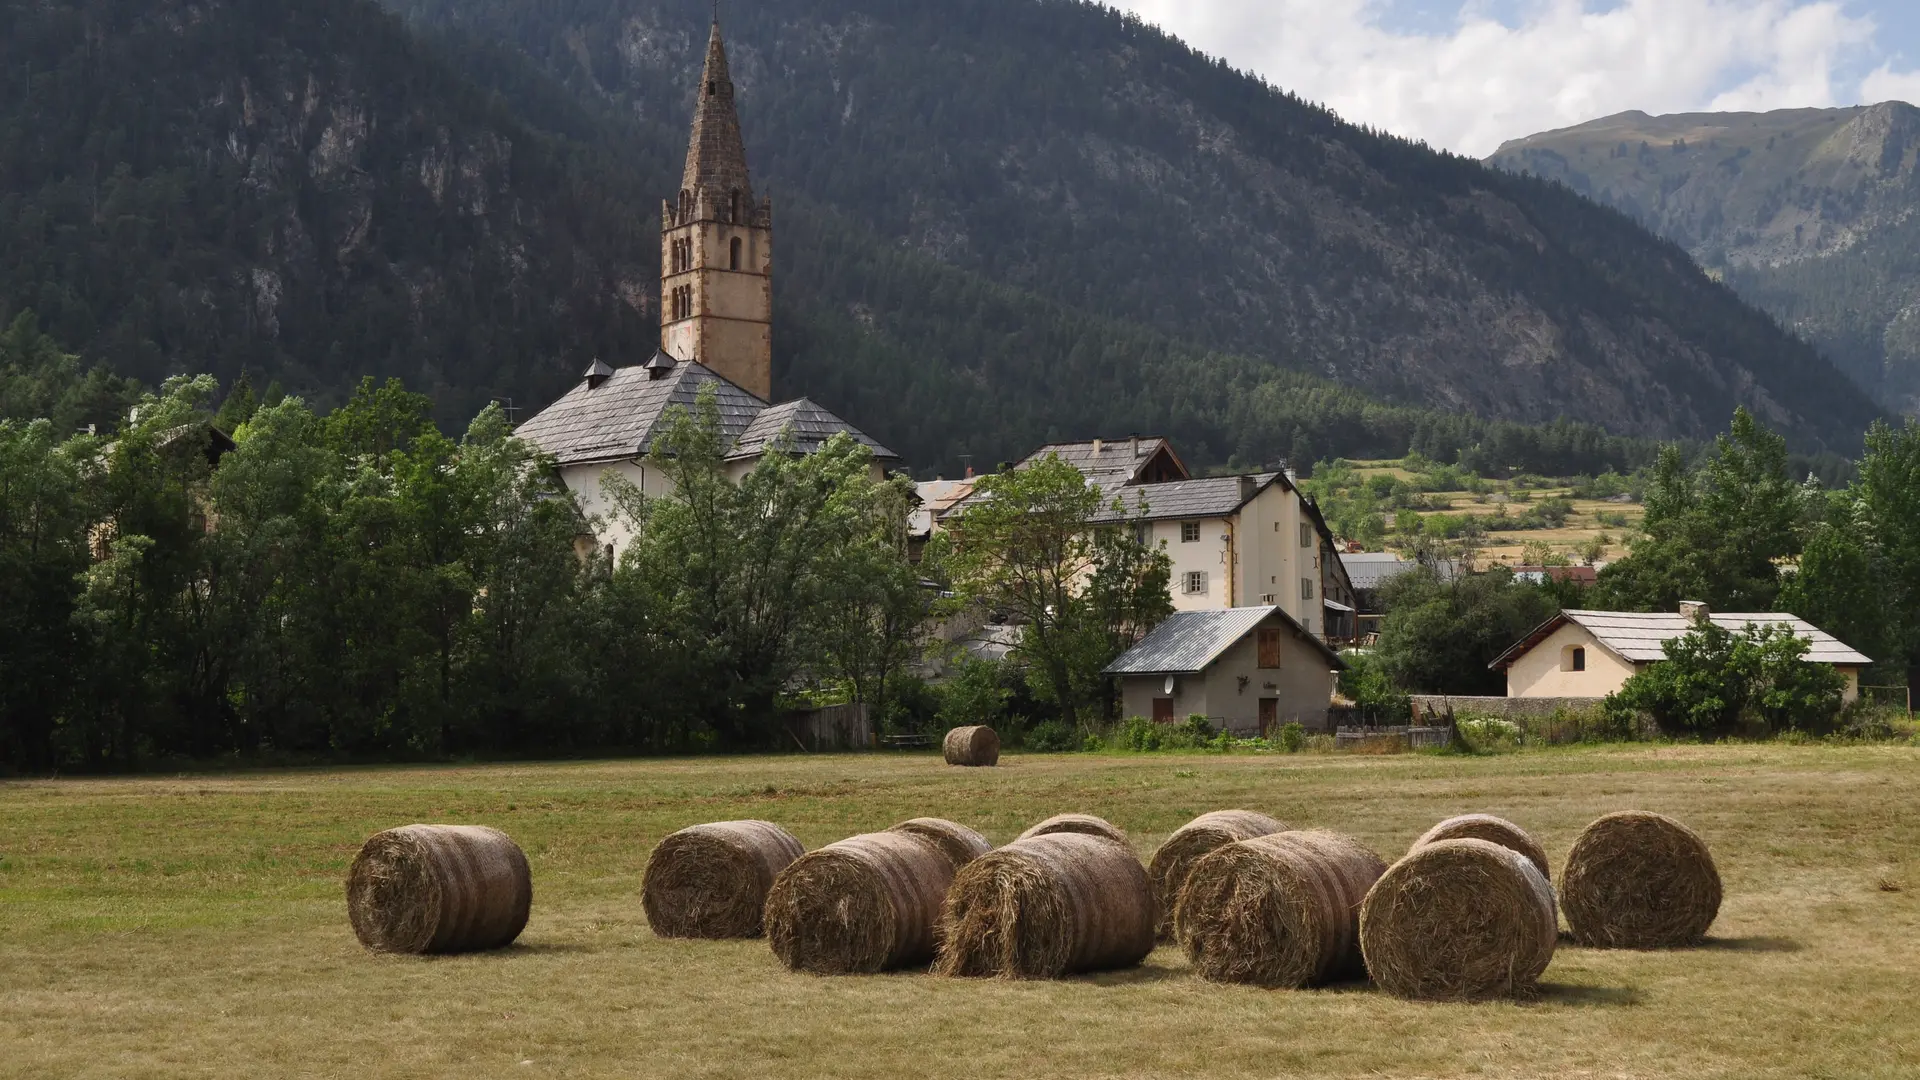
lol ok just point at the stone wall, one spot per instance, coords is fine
(1440, 708)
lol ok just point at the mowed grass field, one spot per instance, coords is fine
(195, 926)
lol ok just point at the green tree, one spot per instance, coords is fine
(1717, 534)
(1443, 627)
(43, 552)
(1034, 544)
(870, 624)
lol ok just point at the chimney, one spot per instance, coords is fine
(1097, 444)
(969, 472)
(1694, 611)
(1133, 445)
(1249, 487)
(598, 373)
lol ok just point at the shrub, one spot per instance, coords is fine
(1715, 680)
(1052, 737)
(1293, 736)
(1093, 742)
(1487, 734)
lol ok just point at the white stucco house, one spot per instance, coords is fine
(1590, 654)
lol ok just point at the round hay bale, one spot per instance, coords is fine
(1278, 910)
(1639, 881)
(868, 903)
(1045, 907)
(1487, 827)
(439, 889)
(973, 746)
(1075, 823)
(960, 844)
(711, 881)
(1188, 844)
(1459, 920)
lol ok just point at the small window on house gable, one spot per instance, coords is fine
(1574, 658)
(1189, 532)
(1196, 583)
(1306, 534)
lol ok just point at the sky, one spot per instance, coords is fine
(1468, 75)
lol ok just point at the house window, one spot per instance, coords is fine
(1306, 534)
(1575, 659)
(1269, 648)
(733, 254)
(1196, 583)
(1143, 534)
(1189, 532)
(1306, 588)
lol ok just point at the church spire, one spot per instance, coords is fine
(717, 157)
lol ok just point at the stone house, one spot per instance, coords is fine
(1247, 670)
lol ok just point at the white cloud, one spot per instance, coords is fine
(1886, 84)
(1559, 63)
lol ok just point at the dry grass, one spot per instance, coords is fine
(196, 927)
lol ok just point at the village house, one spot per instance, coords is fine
(1250, 540)
(1248, 670)
(716, 331)
(1590, 654)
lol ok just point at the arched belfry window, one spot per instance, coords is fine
(733, 254)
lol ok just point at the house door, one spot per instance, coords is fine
(1269, 715)
(1163, 710)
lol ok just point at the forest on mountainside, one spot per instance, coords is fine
(314, 192)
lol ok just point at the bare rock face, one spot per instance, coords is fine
(1806, 212)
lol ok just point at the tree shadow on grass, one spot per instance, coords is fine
(1135, 976)
(545, 948)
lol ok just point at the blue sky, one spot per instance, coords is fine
(1470, 74)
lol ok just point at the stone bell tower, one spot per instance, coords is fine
(716, 247)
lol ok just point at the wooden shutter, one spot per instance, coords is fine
(1270, 648)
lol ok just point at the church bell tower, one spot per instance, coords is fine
(716, 247)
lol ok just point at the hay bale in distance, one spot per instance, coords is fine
(711, 881)
(960, 844)
(1047, 906)
(1487, 827)
(1278, 910)
(1459, 920)
(868, 903)
(439, 889)
(1075, 823)
(1636, 880)
(1188, 844)
(974, 746)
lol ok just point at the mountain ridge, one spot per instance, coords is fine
(1808, 213)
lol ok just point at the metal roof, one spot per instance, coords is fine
(1188, 641)
(809, 425)
(1368, 570)
(1638, 637)
(619, 418)
(1215, 496)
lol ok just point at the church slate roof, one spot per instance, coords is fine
(810, 424)
(618, 419)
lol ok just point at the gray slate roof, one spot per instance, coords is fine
(1215, 496)
(619, 418)
(1188, 641)
(1116, 465)
(811, 427)
(1639, 636)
